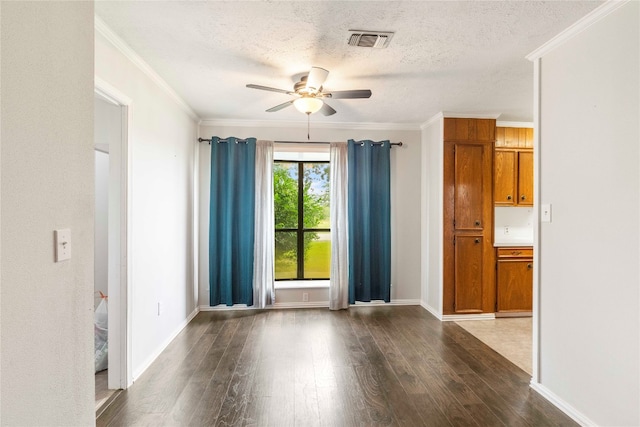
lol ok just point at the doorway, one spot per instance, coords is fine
(111, 267)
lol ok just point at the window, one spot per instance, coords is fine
(302, 234)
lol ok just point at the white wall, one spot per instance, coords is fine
(589, 253)
(47, 183)
(405, 197)
(432, 221)
(161, 157)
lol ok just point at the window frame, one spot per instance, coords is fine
(300, 229)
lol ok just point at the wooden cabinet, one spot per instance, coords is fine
(513, 167)
(514, 280)
(469, 274)
(504, 182)
(514, 137)
(525, 178)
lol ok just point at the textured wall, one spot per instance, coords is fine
(47, 183)
(161, 150)
(589, 172)
(432, 223)
(405, 198)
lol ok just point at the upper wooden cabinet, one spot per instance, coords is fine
(469, 270)
(514, 138)
(478, 130)
(525, 178)
(504, 179)
(513, 167)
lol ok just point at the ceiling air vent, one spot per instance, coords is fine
(375, 39)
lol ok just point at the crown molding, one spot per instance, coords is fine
(453, 115)
(508, 124)
(582, 24)
(303, 124)
(103, 29)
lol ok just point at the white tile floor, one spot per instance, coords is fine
(511, 337)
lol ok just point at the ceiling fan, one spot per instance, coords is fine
(309, 94)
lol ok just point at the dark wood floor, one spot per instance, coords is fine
(368, 366)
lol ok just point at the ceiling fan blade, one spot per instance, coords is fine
(280, 106)
(327, 110)
(316, 79)
(346, 94)
(270, 89)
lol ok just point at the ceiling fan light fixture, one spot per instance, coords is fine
(308, 105)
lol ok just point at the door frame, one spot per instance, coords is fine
(119, 324)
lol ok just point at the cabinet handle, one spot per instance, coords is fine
(515, 252)
(509, 197)
(523, 197)
(477, 223)
(477, 240)
(529, 266)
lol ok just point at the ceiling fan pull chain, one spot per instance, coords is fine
(308, 119)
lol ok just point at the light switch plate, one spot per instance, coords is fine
(545, 213)
(63, 244)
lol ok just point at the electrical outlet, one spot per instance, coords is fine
(305, 297)
(506, 230)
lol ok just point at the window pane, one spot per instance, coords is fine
(317, 255)
(316, 195)
(285, 195)
(286, 255)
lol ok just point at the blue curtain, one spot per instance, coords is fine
(369, 221)
(231, 221)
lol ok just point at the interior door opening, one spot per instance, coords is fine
(110, 256)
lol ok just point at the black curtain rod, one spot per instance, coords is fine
(244, 141)
(399, 144)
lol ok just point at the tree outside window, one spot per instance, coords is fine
(302, 237)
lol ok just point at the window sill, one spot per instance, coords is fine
(301, 284)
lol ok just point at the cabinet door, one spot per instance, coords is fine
(515, 285)
(525, 178)
(504, 181)
(468, 276)
(469, 279)
(469, 187)
(512, 137)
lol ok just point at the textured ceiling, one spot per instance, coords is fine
(461, 57)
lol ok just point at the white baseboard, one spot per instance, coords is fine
(404, 302)
(392, 302)
(462, 317)
(431, 310)
(572, 412)
(223, 307)
(145, 365)
(311, 304)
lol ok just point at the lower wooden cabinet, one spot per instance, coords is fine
(514, 280)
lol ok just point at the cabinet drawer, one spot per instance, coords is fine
(505, 252)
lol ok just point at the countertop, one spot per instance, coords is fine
(510, 243)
